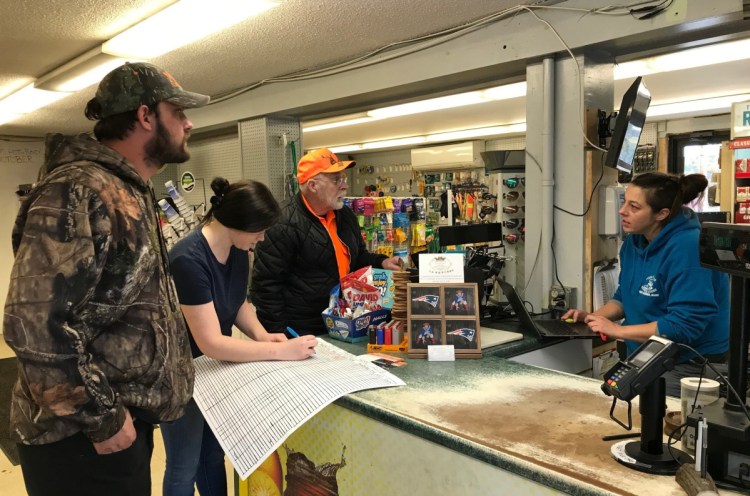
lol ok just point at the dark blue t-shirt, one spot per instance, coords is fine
(200, 279)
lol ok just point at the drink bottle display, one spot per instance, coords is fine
(174, 218)
(185, 210)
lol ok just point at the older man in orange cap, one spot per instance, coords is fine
(315, 243)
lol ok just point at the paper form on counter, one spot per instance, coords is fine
(253, 407)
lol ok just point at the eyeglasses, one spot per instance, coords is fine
(511, 196)
(512, 223)
(511, 238)
(512, 209)
(486, 210)
(338, 181)
(511, 182)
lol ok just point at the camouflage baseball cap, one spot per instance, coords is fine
(137, 83)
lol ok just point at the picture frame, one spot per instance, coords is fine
(463, 334)
(425, 299)
(460, 299)
(443, 314)
(425, 332)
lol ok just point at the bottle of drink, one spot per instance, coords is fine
(186, 211)
(174, 218)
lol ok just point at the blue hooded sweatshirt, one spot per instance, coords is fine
(663, 281)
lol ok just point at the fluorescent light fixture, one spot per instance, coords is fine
(345, 148)
(457, 135)
(716, 104)
(496, 93)
(180, 24)
(335, 124)
(718, 53)
(429, 105)
(8, 117)
(504, 92)
(81, 72)
(412, 140)
(27, 99)
(477, 133)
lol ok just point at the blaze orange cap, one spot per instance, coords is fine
(320, 160)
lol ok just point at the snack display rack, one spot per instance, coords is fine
(392, 225)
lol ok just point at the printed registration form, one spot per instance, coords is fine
(253, 407)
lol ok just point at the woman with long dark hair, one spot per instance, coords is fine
(663, 290)
(210, 267)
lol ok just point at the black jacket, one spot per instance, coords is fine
(295, 268)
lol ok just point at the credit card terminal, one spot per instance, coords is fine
(629, 378)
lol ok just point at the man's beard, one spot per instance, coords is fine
(161, 150)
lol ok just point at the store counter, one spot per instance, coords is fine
(473, 426)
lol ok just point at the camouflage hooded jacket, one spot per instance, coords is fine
(91, 312)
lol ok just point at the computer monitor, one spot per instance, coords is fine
(473, 233)
(628, 127)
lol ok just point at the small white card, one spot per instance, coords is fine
(441, 353)
(441, 267)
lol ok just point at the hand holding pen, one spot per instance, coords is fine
(310, 341)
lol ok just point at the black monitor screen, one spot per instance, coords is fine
(475, 233)
(628, 127)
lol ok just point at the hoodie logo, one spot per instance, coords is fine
(648, 289)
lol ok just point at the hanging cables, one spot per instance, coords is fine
(430, 40)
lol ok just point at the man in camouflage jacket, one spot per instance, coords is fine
(91, 312)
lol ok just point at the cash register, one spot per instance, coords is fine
(726, 248)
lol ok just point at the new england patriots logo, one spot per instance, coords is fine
(465, 332)
(429, 299)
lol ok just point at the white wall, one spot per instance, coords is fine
(19, 164)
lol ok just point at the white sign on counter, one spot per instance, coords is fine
(441, 267)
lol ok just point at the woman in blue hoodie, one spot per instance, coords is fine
(663, 290)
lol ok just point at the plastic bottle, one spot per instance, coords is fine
(186, 211)
(173, 218)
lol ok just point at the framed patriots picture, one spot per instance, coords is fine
(463, 334)
(443, 314)
(425, 332)
(424, 299)
(460, 299)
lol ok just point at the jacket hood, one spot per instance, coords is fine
(62, 150)
(685, 221)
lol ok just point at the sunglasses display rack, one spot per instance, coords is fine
(510, 188)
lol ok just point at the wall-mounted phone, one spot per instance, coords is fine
(611, 198)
